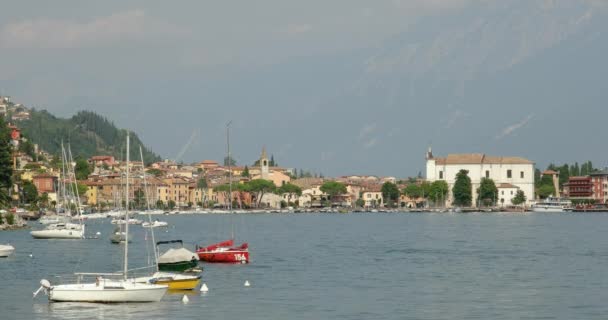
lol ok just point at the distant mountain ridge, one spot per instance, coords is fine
(88, 134)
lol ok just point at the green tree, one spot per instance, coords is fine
(462, 191)
(6, 164)
(333, 189)
(202, 183)
(155, 172)
(82, 169)
(171, 204)
(229, 161)
(44, 200)
(360, 203)
(290, 188)
(245, 172)
(545, 191)
(390, 192)
(140, 198)
(259, 187)
(487, 192)
(412, 191)
(160, 204)
(438, 191)
(519, 198)
(10, 218)
(30, 193)
(82, 189)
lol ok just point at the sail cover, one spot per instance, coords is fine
(177, 255)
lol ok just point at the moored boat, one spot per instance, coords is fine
(552, 204)
(176, 259)
(175, 281)
(224, 252)
(60, 231)
(6, 250)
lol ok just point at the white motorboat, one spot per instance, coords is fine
(60, 231)
(155, 224)
(131, 221)
(107, 290)
(6, 250)
(552, 204)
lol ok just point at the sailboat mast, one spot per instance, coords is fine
(229, 174)
(126, 267)
(141, 155)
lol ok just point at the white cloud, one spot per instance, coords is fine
(48, 33)
(514, 127)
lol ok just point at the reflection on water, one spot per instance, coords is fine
(355, 266)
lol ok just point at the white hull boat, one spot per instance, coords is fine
(155, 224)
(552, 204)
(107, 292)
(60, 231)
(6, 250)
(131, 221)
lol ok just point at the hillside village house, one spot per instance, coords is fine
(509, 174)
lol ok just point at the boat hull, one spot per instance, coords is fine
(548, 209)
(115, 293)
(178, 266)
(57, 234)
(173, 280)
(229, 256)
(6, 250)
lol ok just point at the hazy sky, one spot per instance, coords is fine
(339, 87)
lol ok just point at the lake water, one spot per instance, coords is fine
(345, 266)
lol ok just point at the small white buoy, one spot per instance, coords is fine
(98, 233)
(204, 288)
(185, 299)
(247, 284)
(31, 255)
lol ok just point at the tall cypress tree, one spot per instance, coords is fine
(462, 190)
(6, 165)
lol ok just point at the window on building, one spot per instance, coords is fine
(502, 192)
(511, 192)
(521, 174)
(488, 174)
(440, 174)
(509, 174)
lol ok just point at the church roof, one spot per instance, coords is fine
(479, 158)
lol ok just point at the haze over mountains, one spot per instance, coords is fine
(522, 77)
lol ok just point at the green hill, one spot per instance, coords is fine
(87, 133)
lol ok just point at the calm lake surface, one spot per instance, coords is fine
(344, 266)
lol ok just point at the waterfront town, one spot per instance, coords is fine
(498, 182)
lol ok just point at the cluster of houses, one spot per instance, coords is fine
(592, 188)
(17, 112)
(194, 185)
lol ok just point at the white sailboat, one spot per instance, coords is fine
(65, 230)
(107, 290)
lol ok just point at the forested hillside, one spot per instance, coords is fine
(87, 133)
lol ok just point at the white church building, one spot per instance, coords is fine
(509, 174)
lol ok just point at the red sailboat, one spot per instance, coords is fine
(224, 252)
